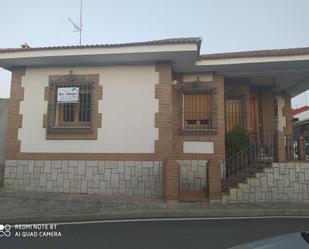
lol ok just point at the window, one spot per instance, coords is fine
(73, 107)
(234, 113)
(76, 114)
(198, 112)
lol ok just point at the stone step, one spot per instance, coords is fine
(243, 175)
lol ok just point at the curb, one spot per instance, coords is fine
(152, 214)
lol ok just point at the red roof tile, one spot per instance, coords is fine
(257, 53)
(196, 40)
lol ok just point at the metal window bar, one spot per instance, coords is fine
(296, 148)
(198, 113)
(71, 115)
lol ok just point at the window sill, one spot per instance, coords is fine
(69, 129)
(199, 132)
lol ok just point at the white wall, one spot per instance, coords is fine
(302, 116)
(198, 147)
(128, 107)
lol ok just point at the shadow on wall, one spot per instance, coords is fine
(4, 110)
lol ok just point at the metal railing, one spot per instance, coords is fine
(264, 144)
(296, 148)
(260, 150)
(233, 164)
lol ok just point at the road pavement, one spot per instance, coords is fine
(189, 234)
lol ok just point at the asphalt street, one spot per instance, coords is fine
(188, 234)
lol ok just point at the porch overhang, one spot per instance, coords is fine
(288, 73)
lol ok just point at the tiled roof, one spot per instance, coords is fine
(300, 110)
(257, 53)
(196, 40)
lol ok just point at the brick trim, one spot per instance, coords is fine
(97, 94)
(163, 119)
(15, 118)
(214, 175)
(85, 156)
(216, 137)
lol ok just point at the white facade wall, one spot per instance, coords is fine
(198, 147)
(302, 116)
(128, 108)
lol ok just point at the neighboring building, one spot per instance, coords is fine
(301, 122)
(143, 119)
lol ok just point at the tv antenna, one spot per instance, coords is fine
(78, 27)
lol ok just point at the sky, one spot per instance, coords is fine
(224, 25)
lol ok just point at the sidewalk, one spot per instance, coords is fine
(27, 207)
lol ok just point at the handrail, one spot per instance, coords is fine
(239, 152)
(236, 162)
(261, 149)
(245, 159)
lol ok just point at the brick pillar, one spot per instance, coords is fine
(284, 129)
(214, 170)
(280, 147)
(14, 118)
(163, 120)
(171, 180)
(214, 179)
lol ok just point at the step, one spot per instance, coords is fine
(243, 175)
(262, 164)
(236, 178)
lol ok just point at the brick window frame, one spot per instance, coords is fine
(87, 131)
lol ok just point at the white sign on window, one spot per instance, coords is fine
(67, 94)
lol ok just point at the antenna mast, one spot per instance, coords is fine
(78, 27)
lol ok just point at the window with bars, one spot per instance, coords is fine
(76, 114)
(73, 102)
(234, 113)
(198, 113)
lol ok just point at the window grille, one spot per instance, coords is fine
(198, 113)
(71, 116)
(235, 113)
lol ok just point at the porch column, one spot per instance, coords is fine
(284, 124)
